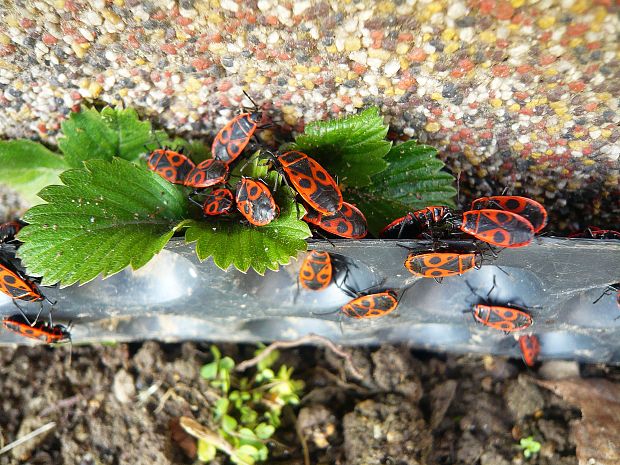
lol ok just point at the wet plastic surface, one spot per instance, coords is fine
(175, 297)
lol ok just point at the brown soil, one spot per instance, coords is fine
(114, 405)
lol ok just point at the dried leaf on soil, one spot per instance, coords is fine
(596, 435)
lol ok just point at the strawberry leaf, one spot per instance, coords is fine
(111, 133)
(413, 179)
(351, 148)
(28, 166)
(106, 216)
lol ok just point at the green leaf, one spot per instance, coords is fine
(351, 148)
(111, 133)
(262, 453)
(264, 431)
(229, 424)
(227, 364)
(413, 180)
(28, 167)
(231, 242)
(206, 451)
(247, 434)
(209, 371)
(106, 216)
(221, 407)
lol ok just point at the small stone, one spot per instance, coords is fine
(546, 22)
(300, 6)
(432, 127)
(391, 68)
(402, 48)
(229, 5)
(352, 44)
(123, 388)
(456, 10)
(92, 18)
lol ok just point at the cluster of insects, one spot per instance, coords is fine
(313, 185)
(501, 221)
(496, 221)
(22, 288)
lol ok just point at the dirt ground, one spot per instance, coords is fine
(113, 405)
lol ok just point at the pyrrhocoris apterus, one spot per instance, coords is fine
(41, 331)
(347, 222)
(415, 223)
(529, 209)
(207, 173)
(530, 348)
(502, 317)
(9, 230)
(498, 227)
(16, 286)
(371, 305)
(170, 165)
(255, 202)
(505, 317)
(310, 180)
(315, 273)
(218, 202)
(594, 232)
(233, 138)
(441, 264)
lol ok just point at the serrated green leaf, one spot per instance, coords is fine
(106, 216)
(111, 133)
(28, 167)
(131, 133)
(351, 148)
(206, 451)
(413, 180)
(231, 242)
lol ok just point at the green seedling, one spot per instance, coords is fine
(248, 410)
(529, 446)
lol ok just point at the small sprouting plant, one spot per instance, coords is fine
(247, 412)
(529, 446)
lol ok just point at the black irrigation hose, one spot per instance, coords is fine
(175, 297)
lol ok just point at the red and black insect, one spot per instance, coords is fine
(497, 227)
(207, 173)
(529, 209)
(316, 271)
(9, 230)
(311, 181)
(530, 348)
(233, 138)
(505, 317)
(255, 202)
(170, 165)
(347, 222)
(415, 223)
(373, 305)
(218, 202)
(17, 286)
(42, 331)
(594, 232)
(442, 264)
